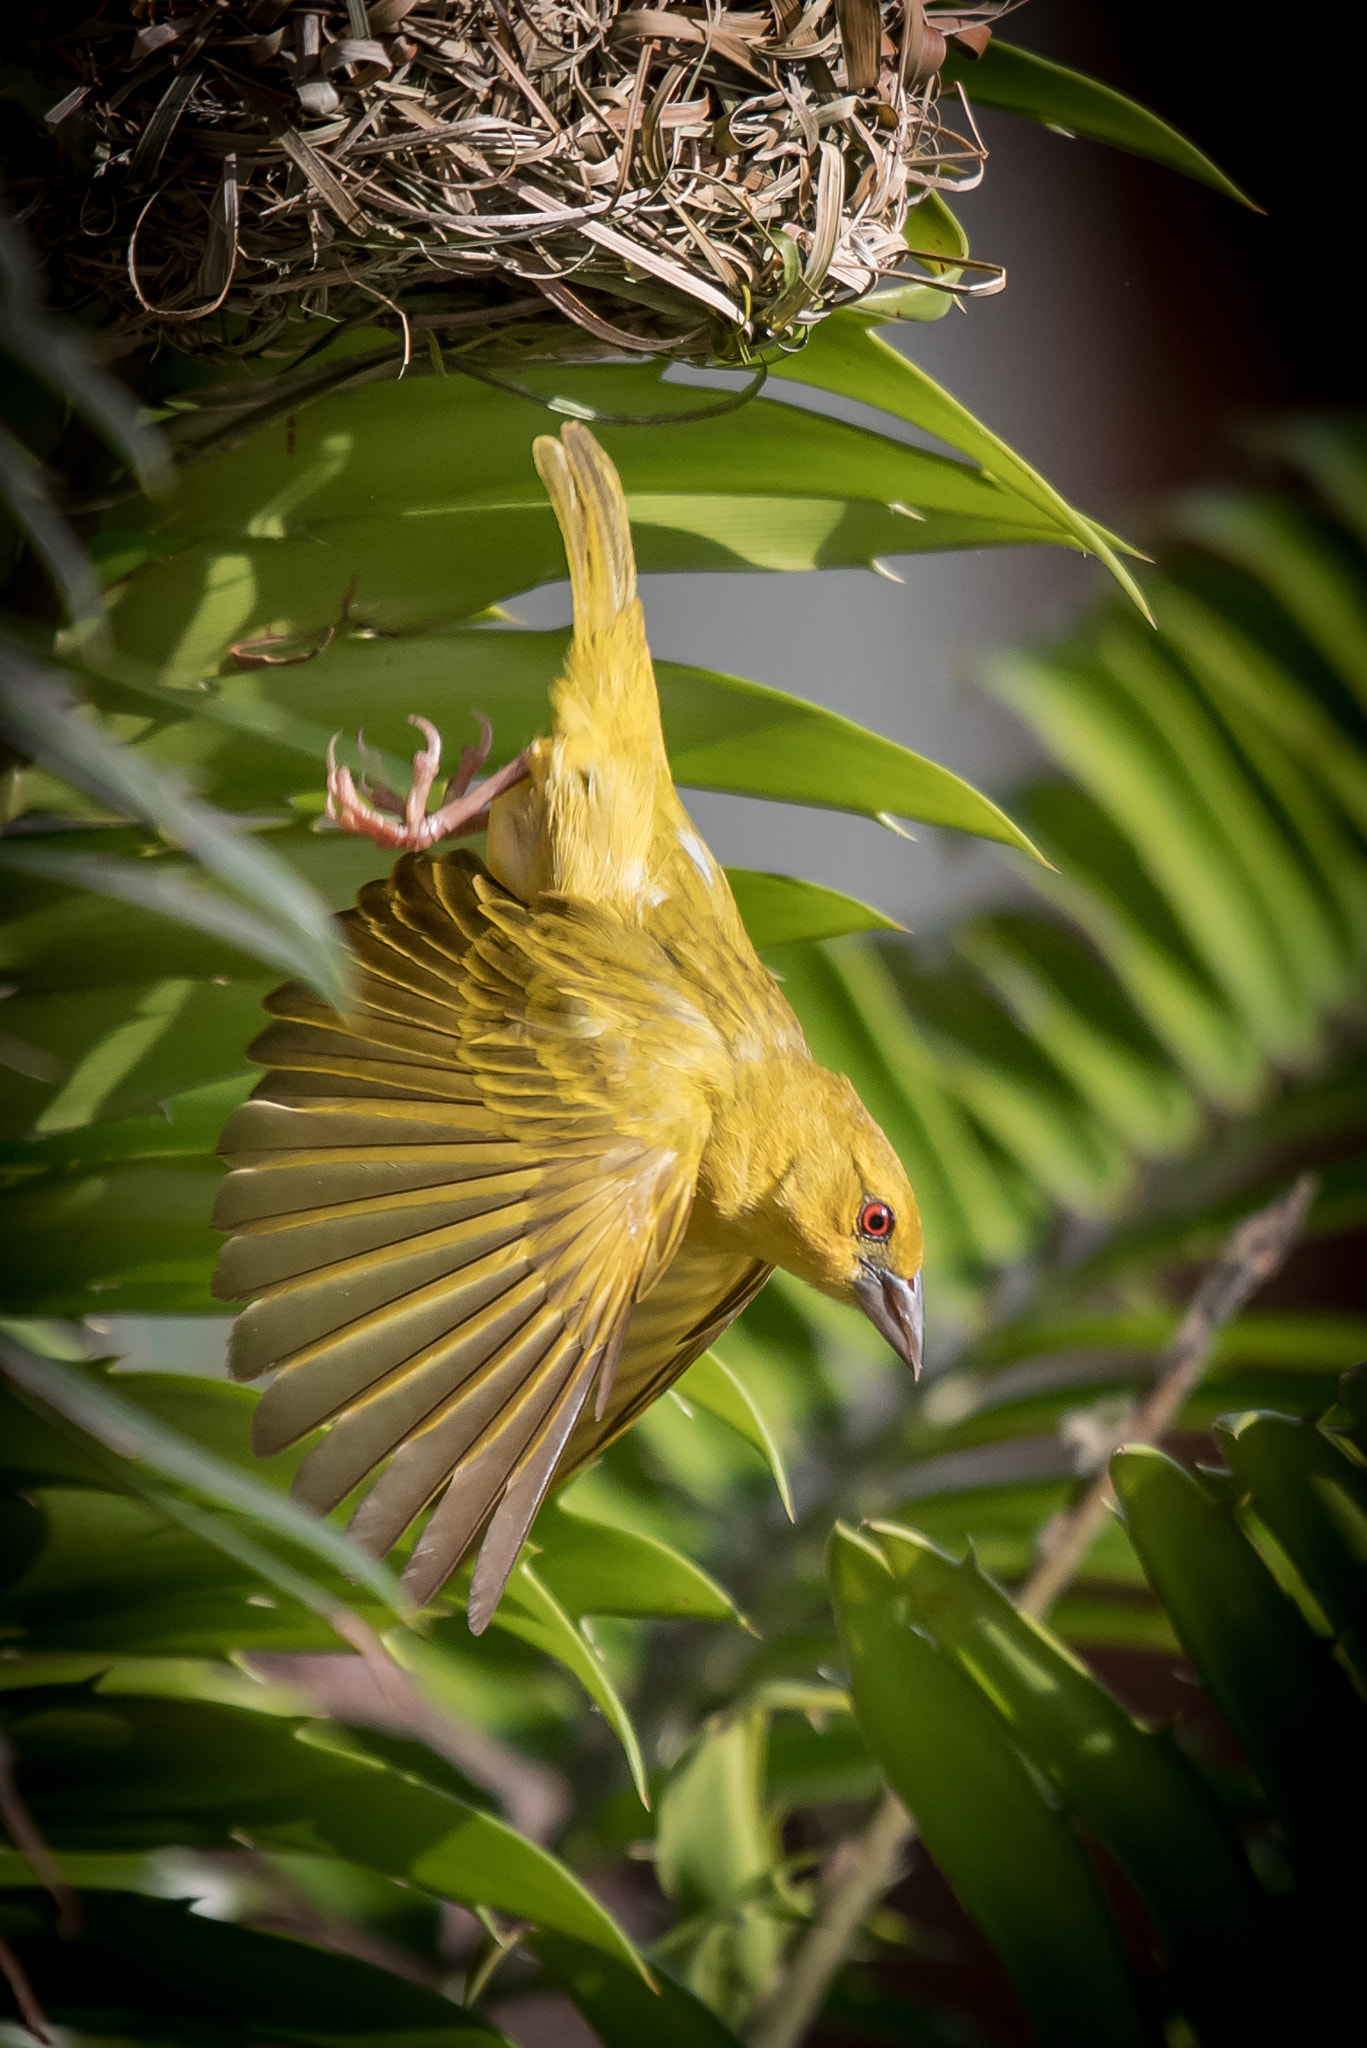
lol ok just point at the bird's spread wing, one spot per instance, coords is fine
(699, 1297)
(447, 1203)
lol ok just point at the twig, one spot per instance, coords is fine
(19, 1825)
(863, 1869)
(855, 1880)
(1252, 1255)
(25, 1997)
(22, 1830)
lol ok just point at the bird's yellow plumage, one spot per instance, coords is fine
(565, 1133)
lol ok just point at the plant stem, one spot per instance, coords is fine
(18, 1823)
(1254, 1252)
(30, 2011)
(856, 1878)
(865, 1867)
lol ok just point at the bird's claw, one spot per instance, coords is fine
(472, 759)
(375, 812)
(372, 789)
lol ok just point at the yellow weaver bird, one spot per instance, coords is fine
(564, 1134)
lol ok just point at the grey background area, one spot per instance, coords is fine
(1107, 363)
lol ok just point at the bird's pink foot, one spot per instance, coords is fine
(377, 813)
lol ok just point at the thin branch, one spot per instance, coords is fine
(23, 1831)
(855, 1879)
(25, 1997)
(1252, 1255)
(864, 1868)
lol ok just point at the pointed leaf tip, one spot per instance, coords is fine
(1020, 82)
(712, 1385)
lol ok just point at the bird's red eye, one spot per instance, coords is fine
(875, 1220)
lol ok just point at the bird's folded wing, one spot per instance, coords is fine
(446, 1203)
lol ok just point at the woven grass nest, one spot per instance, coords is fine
(691, 180)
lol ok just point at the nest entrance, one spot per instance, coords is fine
(697, 180)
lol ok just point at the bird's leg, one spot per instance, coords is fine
(408, 823)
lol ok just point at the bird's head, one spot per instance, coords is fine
(842, 1214)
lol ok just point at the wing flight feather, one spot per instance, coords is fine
(446, 1204)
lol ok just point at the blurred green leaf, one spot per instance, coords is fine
(1269, 1676)
(1016, 1094)
(622, 2010)
(125, 1049)
(154, 1969)
(401, 507)
(115, 1217)
(118, 1577)
(60, 357)
(530, 1611)
(1060, 994)
(817, 1756)
(1159, 690)
(1102, 885)
(26, 496)
(88, 1401)
(711, 1385)
(170, 1595)
(1150, 787)
(1010, 1857)
(1235, 662)
(1300, 560)
(213, 1414)
(778, 909)
(125, 1772)
(1023, 83)
(1317, 1341)
(721, 731)
(717, 1854)
(1133, 1790)
(35, 1450)
(168, 894)
(1330, 452)
(282, 920)
(594, 1567)
(998, 1514)
(1314, 1500)
(1350, 1424)
(1319, 836)
(842, 355)
(57, 939)
(133, 1238)
(1097, 1621)
(23, 1532)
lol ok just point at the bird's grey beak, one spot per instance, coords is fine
(894, 1306)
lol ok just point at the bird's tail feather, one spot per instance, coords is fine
(590, 504)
